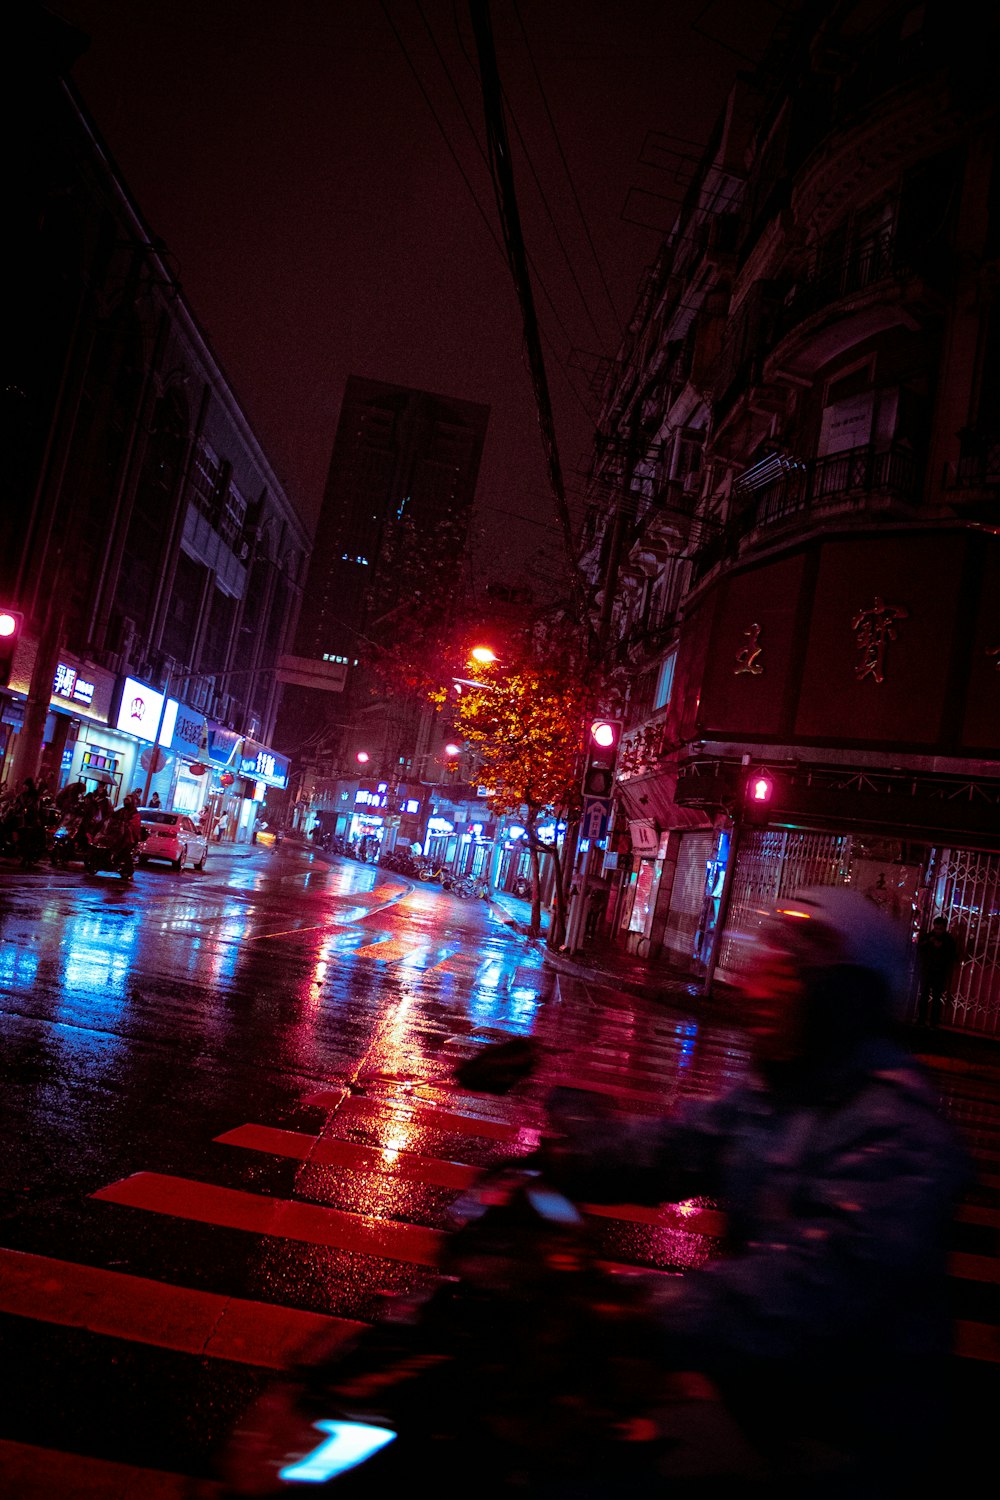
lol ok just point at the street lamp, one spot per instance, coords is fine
(362, 757)
(483, 654)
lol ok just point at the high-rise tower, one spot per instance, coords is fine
(398, 499)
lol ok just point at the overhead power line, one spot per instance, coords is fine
(472, 191)
(510, 223)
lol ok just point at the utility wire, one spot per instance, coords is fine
(569, 176)
(510, 223)
(472, 131)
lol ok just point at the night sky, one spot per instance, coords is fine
(325, 218)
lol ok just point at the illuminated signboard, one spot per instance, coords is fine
(369, 799)
(259, 763)
(69, 684)
(140, 709)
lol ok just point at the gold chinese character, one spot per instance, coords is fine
(873, 628)
(748, 659)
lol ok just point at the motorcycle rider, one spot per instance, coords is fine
(825, 1327)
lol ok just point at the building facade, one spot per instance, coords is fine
(153, 551)
(794, 518)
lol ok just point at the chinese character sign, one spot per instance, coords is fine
(873, 629)
(748, 659)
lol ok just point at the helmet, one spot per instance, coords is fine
(836, 925)
(851, 959)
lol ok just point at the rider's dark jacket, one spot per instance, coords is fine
(827, 1309)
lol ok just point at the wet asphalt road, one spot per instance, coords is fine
(231, 1124)
(142, 1021)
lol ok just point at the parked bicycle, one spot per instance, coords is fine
(472, 885)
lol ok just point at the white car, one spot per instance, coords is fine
(172, 836)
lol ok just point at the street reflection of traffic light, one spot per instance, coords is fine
(602, 753)
(11, 625)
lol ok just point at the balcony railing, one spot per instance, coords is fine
(978, 465)
(857, 480)
(867, 262)
(838, 481)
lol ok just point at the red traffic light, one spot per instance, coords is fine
(602, 752)
(760, 788)
(11, 621)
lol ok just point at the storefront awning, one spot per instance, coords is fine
(651, 798)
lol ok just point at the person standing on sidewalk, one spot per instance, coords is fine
(937, 952)
(597, 904)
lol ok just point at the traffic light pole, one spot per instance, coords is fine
(600, 757)
(725, 897)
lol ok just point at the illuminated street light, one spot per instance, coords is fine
(483, 654)
(452, 749)
(362, 757)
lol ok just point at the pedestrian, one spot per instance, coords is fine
(824, 1330)
(69, 799)
(597, 903)
(154, 800)
(936, 953)
(29, 830)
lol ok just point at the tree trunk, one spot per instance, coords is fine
(557, 927)
(531, 821)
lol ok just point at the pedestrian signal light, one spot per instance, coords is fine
(602, 753)
(11, 623)
(758, 793)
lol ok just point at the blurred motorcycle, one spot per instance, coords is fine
(529, 1370)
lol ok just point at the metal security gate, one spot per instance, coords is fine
(770, 864)
(963, 886)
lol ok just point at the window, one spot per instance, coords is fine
(234, 515)
(664, 681)
(206, 478)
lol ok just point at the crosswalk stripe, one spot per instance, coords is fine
(665, 1216)
(31, 1473)
(978, 1341)
(321, 1151)
(974, 1213)
(355, 1106)
(285, 1218)
(431, 1171)
(157, 1312)
(974, 1267)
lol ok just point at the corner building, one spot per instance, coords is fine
(794, 508)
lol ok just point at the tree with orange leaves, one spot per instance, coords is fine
(524, 717)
